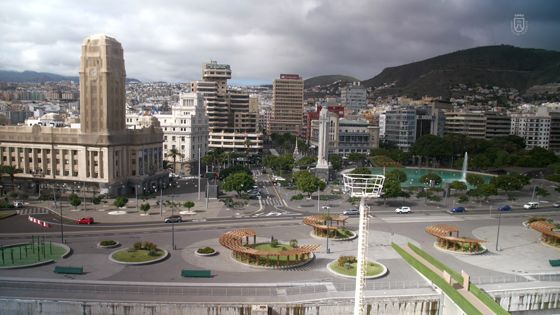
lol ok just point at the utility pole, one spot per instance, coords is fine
(498, 234)
(199, 172)
(61, 223)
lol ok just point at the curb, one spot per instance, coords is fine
(153, 261)
(382, 274)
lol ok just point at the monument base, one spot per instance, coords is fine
(323, 173)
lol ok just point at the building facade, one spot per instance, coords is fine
(533, 127)
(232, 125)
(400, 127)
(185, 129)
(470, 124)
(353, 96)
(287, 105)
(102, 154)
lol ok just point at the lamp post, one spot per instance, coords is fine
(61, 223)
(199, 173)
(498, 234)
(136, 191)
(329, 223)
(173, 223)
(84, 194)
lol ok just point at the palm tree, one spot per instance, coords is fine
(174, 153)
(11, 171)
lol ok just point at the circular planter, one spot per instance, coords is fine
(482, 251)
(117, 244)
(147, 262)
(354, 236)
(379, 275)
(206, 255)
(548, 245)
(67, 251)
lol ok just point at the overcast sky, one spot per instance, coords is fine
(169, 40)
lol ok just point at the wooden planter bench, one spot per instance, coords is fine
(188, 273)
(69, 270)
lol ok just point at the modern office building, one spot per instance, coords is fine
(534, 127)
(400, 127)
(287, 105)
(102, 154)
(231, 124)
(185, 129)
(353, 96)
(356, 136)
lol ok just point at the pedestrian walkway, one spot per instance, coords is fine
(458, 286)
(31, 211)
(273, 202)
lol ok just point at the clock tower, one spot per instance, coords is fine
(102, 86)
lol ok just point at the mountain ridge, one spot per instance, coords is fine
(39, 77)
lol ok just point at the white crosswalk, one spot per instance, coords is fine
(412, 219)
(30, 211)
(272, 202)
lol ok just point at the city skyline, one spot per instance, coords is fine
(169, 41)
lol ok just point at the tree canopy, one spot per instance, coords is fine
(238, 182)
(308, 183)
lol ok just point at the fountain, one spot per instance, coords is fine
(465, 161)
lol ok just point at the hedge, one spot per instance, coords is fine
(453, 294)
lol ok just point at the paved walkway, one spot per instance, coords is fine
(458, 286)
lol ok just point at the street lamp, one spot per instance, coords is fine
(136, 191)
(173, 223)
(61, 223)
(329, 223)
(498, 234)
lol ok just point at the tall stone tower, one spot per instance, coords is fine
(102, 86)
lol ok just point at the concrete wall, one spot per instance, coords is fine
(529, 299)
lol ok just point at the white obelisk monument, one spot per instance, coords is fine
(322, 168)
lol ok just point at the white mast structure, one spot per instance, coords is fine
(362, 186)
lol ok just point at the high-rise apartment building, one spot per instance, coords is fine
(353, 96)
(287, 105)
(231, 124)
(102, 154)
(470, 124)
(497, 125)
(400, 127)
(534, 127)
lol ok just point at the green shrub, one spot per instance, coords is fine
(297, 197)
(343, 260)
(120, 201)
(149, 246)
(96, 200)
(4, 203)
(294, 243)
(137, 245)
(153, 252)
(107, 243)
(13, 194)
(274, 243)
(463, 198)
(205, 250)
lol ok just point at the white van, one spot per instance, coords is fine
(531, 205)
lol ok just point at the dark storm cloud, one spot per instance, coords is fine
(169, 40)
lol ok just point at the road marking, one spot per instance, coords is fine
(410, 219)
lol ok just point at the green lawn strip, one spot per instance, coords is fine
(31, 256)
(372, 269)
(269, 248)
(139, 255)
(7, 213)
(453, 294)
(476, 291)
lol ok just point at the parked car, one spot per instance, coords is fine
(351, 212)
(458, 209)
(18, 204)
(173, 219)
(531, 205)
(403, 210)
(556, 205)
(86, 220)
(504, 208)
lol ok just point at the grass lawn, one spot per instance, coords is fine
(7, 213)
(273, 260)
(26, 254)
(372, 269)
(140, 255)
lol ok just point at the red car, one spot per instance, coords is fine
(86, 220)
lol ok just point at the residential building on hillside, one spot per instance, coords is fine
(353, 96)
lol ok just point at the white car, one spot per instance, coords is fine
(531, 205)
(403, 210)
(351, 212)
